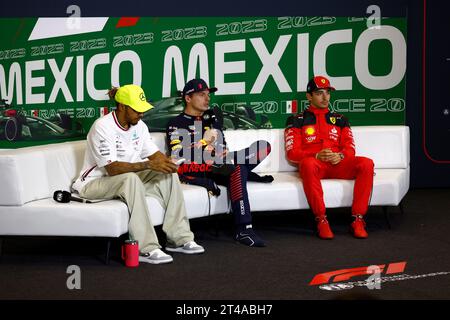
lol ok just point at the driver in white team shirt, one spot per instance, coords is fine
(122, 161)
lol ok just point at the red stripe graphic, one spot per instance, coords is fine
(127, 22)
(236, 195)
(236, 184)
(86, 173)
(396, 267)
(104, 111)
(117, 122)
(345, 274)
(294, 106)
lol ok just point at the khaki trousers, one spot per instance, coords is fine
(132, 188)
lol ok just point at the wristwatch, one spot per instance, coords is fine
(341, 155)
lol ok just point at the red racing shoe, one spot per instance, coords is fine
(358, 227)
(323, 228)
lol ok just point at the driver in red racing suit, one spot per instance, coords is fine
(321, 143)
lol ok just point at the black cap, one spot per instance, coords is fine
(196, 85)
(317, 83)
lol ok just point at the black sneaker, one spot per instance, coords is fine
(249, 238)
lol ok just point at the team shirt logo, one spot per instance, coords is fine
(310, 131)
(334, 135)
(310, 134)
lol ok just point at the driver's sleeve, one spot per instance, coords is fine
(347, 142)
(293, 140)
(174, 142)
(101, 145)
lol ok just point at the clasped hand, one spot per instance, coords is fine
(326, 155)
(160, 162)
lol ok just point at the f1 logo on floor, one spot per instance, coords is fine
(345, 274)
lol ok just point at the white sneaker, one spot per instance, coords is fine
(156, 256)
(190, 247)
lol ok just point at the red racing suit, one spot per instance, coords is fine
(315, 129)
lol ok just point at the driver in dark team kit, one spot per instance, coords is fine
(196, 135)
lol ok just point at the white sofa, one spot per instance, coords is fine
(29, 176)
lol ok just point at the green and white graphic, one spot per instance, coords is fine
(58, 70)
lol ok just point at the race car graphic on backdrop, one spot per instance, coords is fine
(243, 118)
(17, 125)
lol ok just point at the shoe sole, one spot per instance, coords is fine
(325, 238)
(142, 259)
(353, 234)
(180, 250)
(317, 234)
(251, 246)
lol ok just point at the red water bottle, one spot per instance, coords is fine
(130, 253)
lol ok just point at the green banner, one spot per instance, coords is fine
(55, 72)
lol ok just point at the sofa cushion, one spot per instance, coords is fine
(387, 146)
(276, 161)
(286, 193)
(48, 218)
(34, 173)
(101, 219)
(196, 202)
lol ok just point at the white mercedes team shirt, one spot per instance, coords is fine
(108, 141)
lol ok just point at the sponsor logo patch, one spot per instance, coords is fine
(310, 131)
